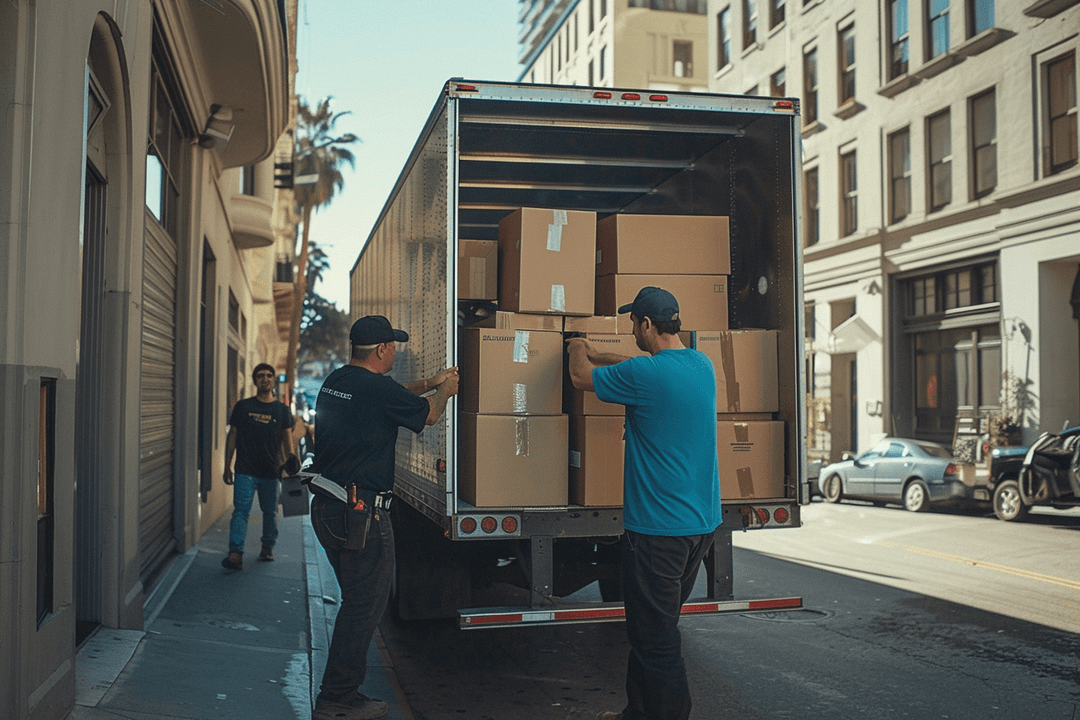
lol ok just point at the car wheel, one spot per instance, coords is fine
(831, 490)
(1008, 505)
(917, 496)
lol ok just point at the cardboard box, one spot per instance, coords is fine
(513, 460)
(751, 457)
(663, 245)
(511, 371)
(478, 270)
(703, 299)
(596, 460)
(746, 375)
(521, 321)
(592, 324)
(582, 402)
(546, 261)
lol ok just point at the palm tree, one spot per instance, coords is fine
(320, 155)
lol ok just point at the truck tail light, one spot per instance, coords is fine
(468, 525)
(600, 95)
(658, 98)
(509, 525)
(780, 515)
(488, 524)
(784, 105)
(763, 515)
(467, 88)
(631, 96)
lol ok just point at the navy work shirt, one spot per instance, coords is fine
(359, 413)
(258, 436)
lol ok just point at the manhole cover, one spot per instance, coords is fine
(803, 615)
(230, 624)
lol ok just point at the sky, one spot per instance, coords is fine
(385, 61)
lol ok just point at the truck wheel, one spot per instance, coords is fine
(917, 496)
(831, 490)
(1008, 505)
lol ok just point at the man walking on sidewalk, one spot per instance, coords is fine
(259, 436)
(671, 492)
(360, 411)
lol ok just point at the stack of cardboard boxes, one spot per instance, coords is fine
(528, 438)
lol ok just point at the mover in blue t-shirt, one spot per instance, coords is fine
(671, 491)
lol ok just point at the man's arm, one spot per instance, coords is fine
(230, 450)
(584, 359)
(447, 389)
(419, 387)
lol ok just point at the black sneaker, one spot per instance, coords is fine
(267, 554)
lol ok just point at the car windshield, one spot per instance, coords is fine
(933, 450)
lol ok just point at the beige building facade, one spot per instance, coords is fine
(941, 221)
(137, 264)
(643, 44)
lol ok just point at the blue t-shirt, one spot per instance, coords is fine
(671, 482)
(357, 426)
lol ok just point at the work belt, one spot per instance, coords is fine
(326, 487)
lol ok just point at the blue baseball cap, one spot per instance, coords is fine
(654, 303)
(373, 330)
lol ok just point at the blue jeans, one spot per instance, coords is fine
(244, 487)
(658, 576)
(364, 578)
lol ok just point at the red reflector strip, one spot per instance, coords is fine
(658, 98)
(493, 619)
(777, 603)
(602, 95)
(631, 96)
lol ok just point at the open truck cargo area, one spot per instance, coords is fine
(487, 151)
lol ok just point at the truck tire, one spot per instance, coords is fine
(1008, 505)
(832, 489)
(917, 496)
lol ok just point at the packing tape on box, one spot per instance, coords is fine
(746, 482)
(554, 238)
(727, 360)
(521, 398)
(521, 436)
(558, 298)
(521, 346)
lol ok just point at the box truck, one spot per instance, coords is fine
(469, 544)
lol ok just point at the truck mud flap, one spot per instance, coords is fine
(482, 618)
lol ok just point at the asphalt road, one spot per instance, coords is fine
(930, 615)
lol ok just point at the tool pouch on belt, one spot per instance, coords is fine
(357, 522)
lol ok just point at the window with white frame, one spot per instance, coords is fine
(846, 49)
(849, 194)
(749, 23)
(682, 54)
(939, 159)
(1060, 145)
(778, 83)
(983, 122)
(980, 16)
(810, 86)
(937, 27)
(898, 38)
(777, 10)
(899, 175)
(723, 38)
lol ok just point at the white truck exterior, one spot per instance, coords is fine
(490, 148)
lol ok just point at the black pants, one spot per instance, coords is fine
(658, 576)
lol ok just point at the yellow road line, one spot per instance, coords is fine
(1026, 574)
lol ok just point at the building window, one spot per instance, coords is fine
(1060, 148)
(577, 31)
(898, 38)
(753, 90)
(849, 194)
(723, 49)
(847, 64)
(682, 54)
(777, 9)
(810, 86)
(603, 62)
(980, 16)
(749, 23)
(591, 73)
(603, 9)
(558, 51)
(924, 296)
(937, 30)
(592, 16)
(164, 154)
(956, 373)
(698, 7)
(813, 228)
(983, 143)
(938, 132)
(778, 83)
(899, 175)
(952, 290)
(46, 524)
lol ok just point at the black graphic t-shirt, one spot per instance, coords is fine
(356, 431)
(258, 436)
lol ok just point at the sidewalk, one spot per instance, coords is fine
(228, 644)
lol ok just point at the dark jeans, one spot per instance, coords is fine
(658, 576)
(364, 578)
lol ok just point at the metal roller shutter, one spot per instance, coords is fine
(157, 403)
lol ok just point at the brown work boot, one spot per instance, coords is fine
(233, 561)
(267, 554)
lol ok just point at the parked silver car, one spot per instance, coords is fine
(913, 472)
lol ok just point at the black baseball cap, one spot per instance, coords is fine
(654, 303)
(373, 330)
